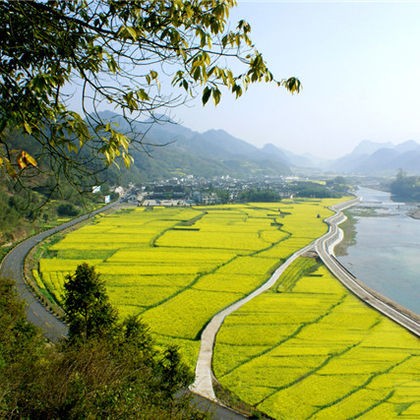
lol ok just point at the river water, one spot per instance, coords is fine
(386, 255)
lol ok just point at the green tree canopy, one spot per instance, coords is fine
(406, 187)
(86, 304)
(116, 375)
(116, 53)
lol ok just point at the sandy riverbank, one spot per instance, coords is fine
(415, 214)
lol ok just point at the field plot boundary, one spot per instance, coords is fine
(354, 363)
(203, 384)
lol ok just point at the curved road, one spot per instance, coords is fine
(12, 267)
(53, 328)
(203, 384)
(324, 246)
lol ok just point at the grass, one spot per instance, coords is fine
(349, 230)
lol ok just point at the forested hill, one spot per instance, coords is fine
(406, 187)
(170, 149)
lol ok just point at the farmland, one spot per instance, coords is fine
(304, 349)
(178, 267)
(307, 348)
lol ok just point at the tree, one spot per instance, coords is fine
(173, 372)
(86, 304)
(118, 375)
(116, 52)
(406, 187)
(67, 209)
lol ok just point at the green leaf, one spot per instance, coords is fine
(143, 96)
(196, 74)
(206, 95)
(132, 32)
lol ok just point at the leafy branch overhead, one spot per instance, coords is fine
(138, 56)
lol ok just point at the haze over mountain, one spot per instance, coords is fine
(370, 158)
(171, 149)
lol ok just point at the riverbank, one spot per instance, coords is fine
(314, 350)
(381, 248)
(349, 230)
(415, 214)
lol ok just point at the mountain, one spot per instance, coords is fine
(370, 158)
(367, 147)
(408, 146)
(170, 149)
(231, 146)
(292, 159)
(271, 150)
(316, 161)
(303, 161)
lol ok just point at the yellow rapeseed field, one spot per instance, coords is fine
(309, 349)
(177, 267)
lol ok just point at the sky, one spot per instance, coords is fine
(359, 63)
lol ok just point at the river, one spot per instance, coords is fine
(386, 255)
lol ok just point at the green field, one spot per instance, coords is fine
(308, 349)
(178, 267)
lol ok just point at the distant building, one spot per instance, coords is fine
(148, 203)
(107, 199)
(96, 189)
(119, 190)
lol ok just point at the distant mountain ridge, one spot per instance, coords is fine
(370, 158)
(174, 149)
(170, 149)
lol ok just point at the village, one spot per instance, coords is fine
(190, 190)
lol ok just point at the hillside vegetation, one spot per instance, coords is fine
(117, 374)
(306, 348)
(406, 187)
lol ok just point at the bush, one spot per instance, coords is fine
(115, 373)
(67, 209)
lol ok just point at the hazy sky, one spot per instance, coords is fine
(359, 63)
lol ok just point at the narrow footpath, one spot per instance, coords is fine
(203, 384)
(205, 398)
(324, 247)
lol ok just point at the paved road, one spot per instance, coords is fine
(12, 267)
(217, 411)
(55, 329)
(325, 249)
